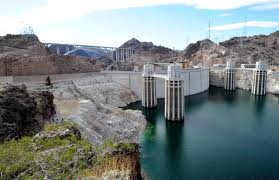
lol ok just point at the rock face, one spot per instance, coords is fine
(239, 49)
(149, 53)
(57, 152)
(145, 46)
(195, 47)
(92, 103)
(26, 55)
(23, 113)
(130, 151)
(29, 44)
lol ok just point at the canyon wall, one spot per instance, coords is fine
(25, 55)
(241, 50)
(23, 112)
(243, 79)
(92, 103)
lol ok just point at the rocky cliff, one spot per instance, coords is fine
(26, 55)
(59, 150)
(22, 112)
(146, 46)
(149, 53)
(92, 103)
(239, 49)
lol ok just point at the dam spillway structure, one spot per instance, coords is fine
(229, 79)
(259, 79)
(174, 94)
(149, 98)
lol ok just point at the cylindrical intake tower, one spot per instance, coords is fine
(174, 94)
(259, 78)
(149, 98)
(229, 79)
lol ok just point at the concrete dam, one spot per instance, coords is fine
(195, 81)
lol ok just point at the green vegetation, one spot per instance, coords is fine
(53, 157)
(114, 161)
(57, 127)
(16, 157)
(55, 154)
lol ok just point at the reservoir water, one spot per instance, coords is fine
(224, 136)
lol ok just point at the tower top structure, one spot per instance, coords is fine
(230, 65)
(261, 65)
(174, 71)
(148, 69)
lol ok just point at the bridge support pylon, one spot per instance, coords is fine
(149, 98)
(57, 49)
(174, 94)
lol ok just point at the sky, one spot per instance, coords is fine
(171, 23)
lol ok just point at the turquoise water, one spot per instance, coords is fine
(224, 136)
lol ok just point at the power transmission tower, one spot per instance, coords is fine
(26, 29)
(244, 32)
(245, 27)
(209, 33)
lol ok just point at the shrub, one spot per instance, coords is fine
(51, 158)
(48, 81)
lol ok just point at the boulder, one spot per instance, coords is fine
(23, 113)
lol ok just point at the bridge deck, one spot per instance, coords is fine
(87, 46)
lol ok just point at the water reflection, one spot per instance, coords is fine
(150, 114)
(150, 132)
(174, 136)
(174, 144)
(258, 104)
(273, 98)
(195, 101)
(230, 96)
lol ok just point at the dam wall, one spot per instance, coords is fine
(243, 79)
(6, 79)
(195, 81)
(41, 79)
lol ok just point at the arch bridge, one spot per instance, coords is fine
(114, 53)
